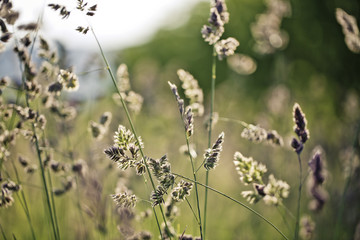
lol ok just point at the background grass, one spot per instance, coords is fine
(316, 70)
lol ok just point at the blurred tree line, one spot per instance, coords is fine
(316, 46)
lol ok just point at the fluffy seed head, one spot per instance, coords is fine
(350, 30)
(300, 124)
(275, 191)
(254, 133)
(226, 47)
(189, 122)
(69, 80)
(212, 155)
(250, 171)
(307, 227)
(177, 96)
(124, 200)
(181, 191)
(192, 91)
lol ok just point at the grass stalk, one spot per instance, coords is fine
(46, 189)
(50, 205)
(3, 233)
(287, 211)
(283, 217)
(244, 124)
(236, 201)
(194, 175)
(53, 203)
(297, 224)
(24, 204)
(131, 125)
(196, 188)
(192, 210)
(42, 170)
(212, 99)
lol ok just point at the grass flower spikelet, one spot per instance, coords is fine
(124, 200)
(275, 191)
(192, 91)
(315, 185)
(177, 96)
(300, 124)
(254, 133)
(266, 31)
(226, 47)
(69, 80)
(125, 139)
(250, 171)
(181, 191)
(350, 30)
(157, 196)
(307, 228)
(189, 122)
(212, 155)
(218, 17)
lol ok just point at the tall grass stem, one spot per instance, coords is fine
(131, 124)
(24, 204)
(212, 99)
(53, 203)
(42, 170)
(297, 225)
(196, 188)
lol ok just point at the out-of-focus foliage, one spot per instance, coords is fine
(315, 69)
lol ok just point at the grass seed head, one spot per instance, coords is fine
(181, 191)
(250, 171)
(212, 155)
(300, 124)
(225, 48)
(124, 200)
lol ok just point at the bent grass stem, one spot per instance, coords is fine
(195, 181)
(236, 201)
(131, 126)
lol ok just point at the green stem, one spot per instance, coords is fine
(46, 188)
(196, 189)
(192, 210)
(283, 218)
(53, 203)
(238, 202)
(244, 124)
(131, 124)
(213, 79)
(3, 233)
(287, 211)
(297, 226)
(158, 223)
(24, 203)
(43, 178)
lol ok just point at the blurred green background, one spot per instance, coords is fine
(315, 70)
